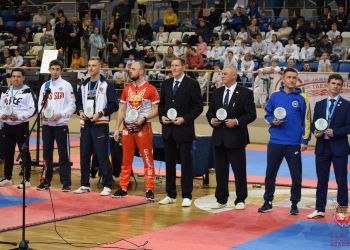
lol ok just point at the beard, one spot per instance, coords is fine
(134, 78)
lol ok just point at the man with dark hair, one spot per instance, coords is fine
(96, 102)
(58, 108)
(288, 113)
(75, 32)
(144, 33)
(182, 94)
(17, 105)
(61, 33)
(142, 97)
(332, 146)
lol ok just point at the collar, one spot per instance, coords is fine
(335, 98)
(137, 86)
(58, 79)
(232, 88)
(180, 79)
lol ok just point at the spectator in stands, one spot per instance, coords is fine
(326, 19)
(186, 24)
(341, 18)
(17, 59)
(169, 56)
(203, 30)
(161, 36)
(52, 20)
(39, 20)
(274, 50)
(170, 20)
(9, 63)
(23, 45)
(28, 32)
(243, 50)
(60, 13)
(333, 33)
(239, 19)
(124, 11)
(299, 31)
(323, 46)
(324, 64)
(130, 46)
(253, 10)
(290, 63)
(269, 33)
(60, 56)
(61, 33)
(77, 60)
(253, 30)
(291, 51)
(85, 22)
(75, 31)
(97, 43)
(264, 21)
(216, 52)
(216, 80)
(194, 60)
(307, 54)
(259, 49)
(306, 68)
(159, 64)
(314, 33)
(242, 4)
(179, 50)
(203, 80)
(86, 36)
(107, 73)
(338, 50)
(261, 85)
(241, 36)
(120, 77)
(226, 33)
(115, 58)
(229, 60)
(144, 33)
(149, 59)
(130, 61)
(213, 17)
(231, 47)
(5, 54)
(22, 14)
(111, 36)
(202, 47)
(284, 32)
(48, 36)
(195, 6)
(246, 70)
(119, 24)
(17, 33)
(293, 6)
(277, 6)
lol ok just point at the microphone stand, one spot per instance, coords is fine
(24, 244)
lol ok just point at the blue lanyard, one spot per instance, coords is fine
(331, 112)
(94, 90)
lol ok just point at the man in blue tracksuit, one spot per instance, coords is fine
(288, 138)
(96, 101)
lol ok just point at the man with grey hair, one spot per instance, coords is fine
(231, 109)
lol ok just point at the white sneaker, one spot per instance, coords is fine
(106, 191)
(82, 189)
(240, 206)
(218, 206)
(316, 214)
(20, 186)
(186, 202)
(167, 200)
(5, 182)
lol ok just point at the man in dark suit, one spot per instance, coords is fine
(332, 145)
(230, 136)
(182, 94)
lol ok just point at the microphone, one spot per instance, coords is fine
(46, 96)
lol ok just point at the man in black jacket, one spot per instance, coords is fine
(61, 33)
(75, 31)
(230, 135)
(144, 33)
(182, 94)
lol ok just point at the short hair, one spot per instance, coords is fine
(18, 70)
(290, 70)
(335, 77)
(230, 52)
(160, 56)
(95, 58)
(182, 61)
(56, 63)
(141, 64)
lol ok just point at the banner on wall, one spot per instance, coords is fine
(314, 85)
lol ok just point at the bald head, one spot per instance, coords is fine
(229, 75)
(137, 72)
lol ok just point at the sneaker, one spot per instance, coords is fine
(120, 193)
(43, 186)
(106, 191)
(294, 209)
(186, 202)
(27, 185)
(82, 190)
(316, 215)
(219, 206)
(167, 200)
(240, 206)
(66, 188)
(150, 195)
(267, 207)
(5, 182)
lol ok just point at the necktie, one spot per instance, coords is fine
(176, 87)
(226, 99)
(331, 107)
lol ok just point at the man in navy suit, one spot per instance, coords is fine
(230, 136)
(332, 145)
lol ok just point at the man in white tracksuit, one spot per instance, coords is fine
(57, 110)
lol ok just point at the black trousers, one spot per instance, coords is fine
(236, 157)
(12, 135)
(61, 135)
(170, 153)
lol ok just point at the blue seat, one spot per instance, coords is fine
(8, 15)
(10, 25)
(281, 19)
(311, 18)
(344, 67)
(335, 67)
(314, 66)
(299, 65)
(99, 23)
(282, 64)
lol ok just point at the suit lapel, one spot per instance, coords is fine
(337, 107)
(234, 98)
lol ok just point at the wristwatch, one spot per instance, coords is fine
(145, 119)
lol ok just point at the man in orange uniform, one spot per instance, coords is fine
(138, 104)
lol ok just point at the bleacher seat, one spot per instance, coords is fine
(10, 25)
(344, 67)
(314, 66)
(346, 38)
(335, 67)
(174, 36)
(36, 38)
(34, 50)
(162, 49)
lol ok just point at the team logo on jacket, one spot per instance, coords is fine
(295, 104)
(135, 98)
